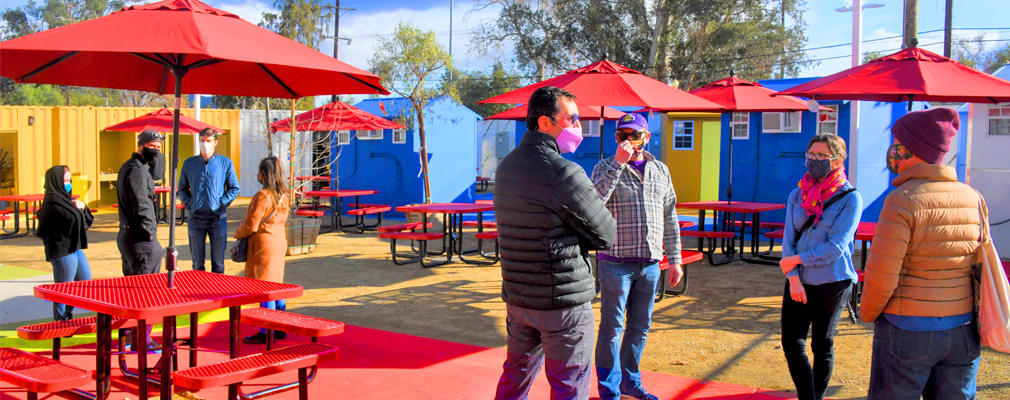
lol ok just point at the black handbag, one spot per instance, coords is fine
(240, 251)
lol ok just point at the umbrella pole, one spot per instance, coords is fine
(291, 156)
(171, 254)
(729, 183)
(601, 132)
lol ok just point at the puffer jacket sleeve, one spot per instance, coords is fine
(887, 254)
(580, 207)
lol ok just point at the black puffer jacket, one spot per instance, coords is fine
(549, 218)
(135, 190)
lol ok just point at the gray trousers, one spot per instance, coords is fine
(564, 337)
(139, 258)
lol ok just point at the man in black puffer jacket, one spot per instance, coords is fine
(549, 218)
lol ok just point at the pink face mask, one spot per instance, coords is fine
(569, 139)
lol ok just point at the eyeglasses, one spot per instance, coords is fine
(574, 118)
(819, 156)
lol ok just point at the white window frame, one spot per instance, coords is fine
(739, 120)
(789, 122)
(399, 136)
(829, 114)
(370, 135)
(1004, 111)
(674, 135)
(590, 127)
(343, 137)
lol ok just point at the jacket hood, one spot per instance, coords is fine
(54, 182)
(933, 172)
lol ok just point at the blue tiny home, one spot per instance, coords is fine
(389, 161)
(768, 161)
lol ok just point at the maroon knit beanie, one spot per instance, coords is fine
(927, 134)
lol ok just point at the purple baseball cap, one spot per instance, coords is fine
(633, 121)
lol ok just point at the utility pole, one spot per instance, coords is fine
(336, 40)
(782, 64)
(450, 36)
(911, 25)
(947, 27)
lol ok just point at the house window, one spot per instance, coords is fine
(741, 125)
(782, 122)
(343, 137)
(827, 121)
(399, 136)
(590, 127)
(370, 135)
(999, 119)
(683, 135)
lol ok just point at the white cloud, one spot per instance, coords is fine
(249, 10)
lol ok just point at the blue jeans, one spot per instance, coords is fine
(934, 365)
(280, 305)
(69, 268)
(199, 229)
(625, 288)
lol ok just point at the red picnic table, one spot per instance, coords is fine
(452, 241)
(146, 297)
(336, 206)
(161, 193)
(30, 226)
(728, 223)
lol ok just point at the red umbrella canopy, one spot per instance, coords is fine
(910, 74)
(519, 113)
(336, 116)
(142, 46)
(161, 121)
(606, 83)
(740, 95)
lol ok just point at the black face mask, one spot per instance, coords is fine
(149, 154)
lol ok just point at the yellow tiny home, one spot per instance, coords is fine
(691, 151)
(40, 137)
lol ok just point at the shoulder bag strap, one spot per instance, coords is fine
(810, 219)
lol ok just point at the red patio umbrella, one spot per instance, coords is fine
(139, 47)
(336, 116)
(519, 113)
(910, 74)
(605, 83)
(161, 121)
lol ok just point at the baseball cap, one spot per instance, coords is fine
(633, 121)
(148, 136)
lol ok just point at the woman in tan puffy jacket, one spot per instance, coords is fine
(918, 286)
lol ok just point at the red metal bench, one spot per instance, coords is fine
(290, 323)
(412, 226)
(360, 213)
(488, 235)
(487, 224)
(38, 374)
(686, 257)
(365, 205)
(422, 238)
(712, 236)
(484, 182)
(235, 371)
(72, 327)
(310, 213)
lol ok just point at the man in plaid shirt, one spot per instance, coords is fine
(637, 190)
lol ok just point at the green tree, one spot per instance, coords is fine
(406, 61)
(872, 55)
(530, 31)
(304, 21)
(474, 86)
(998, 58)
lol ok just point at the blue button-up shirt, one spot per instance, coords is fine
(207, 187)
(826, 248)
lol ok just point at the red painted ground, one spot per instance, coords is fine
(377, 364)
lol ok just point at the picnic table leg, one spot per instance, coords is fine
(167, 352)
(17, 222)
(234, 313)
(103, 361)
(194, 319)
(141, 337)
(754, 250)
(701, 227)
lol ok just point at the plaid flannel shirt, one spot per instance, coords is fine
(644, 207)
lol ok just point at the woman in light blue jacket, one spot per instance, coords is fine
(821, 220)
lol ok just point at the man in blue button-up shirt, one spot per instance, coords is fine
(207, 186)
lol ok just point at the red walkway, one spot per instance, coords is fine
(377, 364)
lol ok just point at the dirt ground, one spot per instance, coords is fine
(725, 328)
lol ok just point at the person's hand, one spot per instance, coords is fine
(80, 204)
(625, 150)
(677, 273)
(796, 290)
(789, 263)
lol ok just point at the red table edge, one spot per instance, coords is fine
(422, 208)
(720, 206)
(337, 193)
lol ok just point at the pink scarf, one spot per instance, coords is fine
(816, 193)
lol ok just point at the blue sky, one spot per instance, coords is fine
(825, 26)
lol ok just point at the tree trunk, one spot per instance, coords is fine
(269, 135)
(423, 152)
(657, 33)
(291, 156)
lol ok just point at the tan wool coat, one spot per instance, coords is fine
(267, 239)
(920, 259)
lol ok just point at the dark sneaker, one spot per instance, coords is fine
(280, 335)
(638, 394)
(258, 338)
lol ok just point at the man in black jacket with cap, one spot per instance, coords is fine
(549, 218)
(138, 221)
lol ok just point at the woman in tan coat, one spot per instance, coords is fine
(264, 226)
